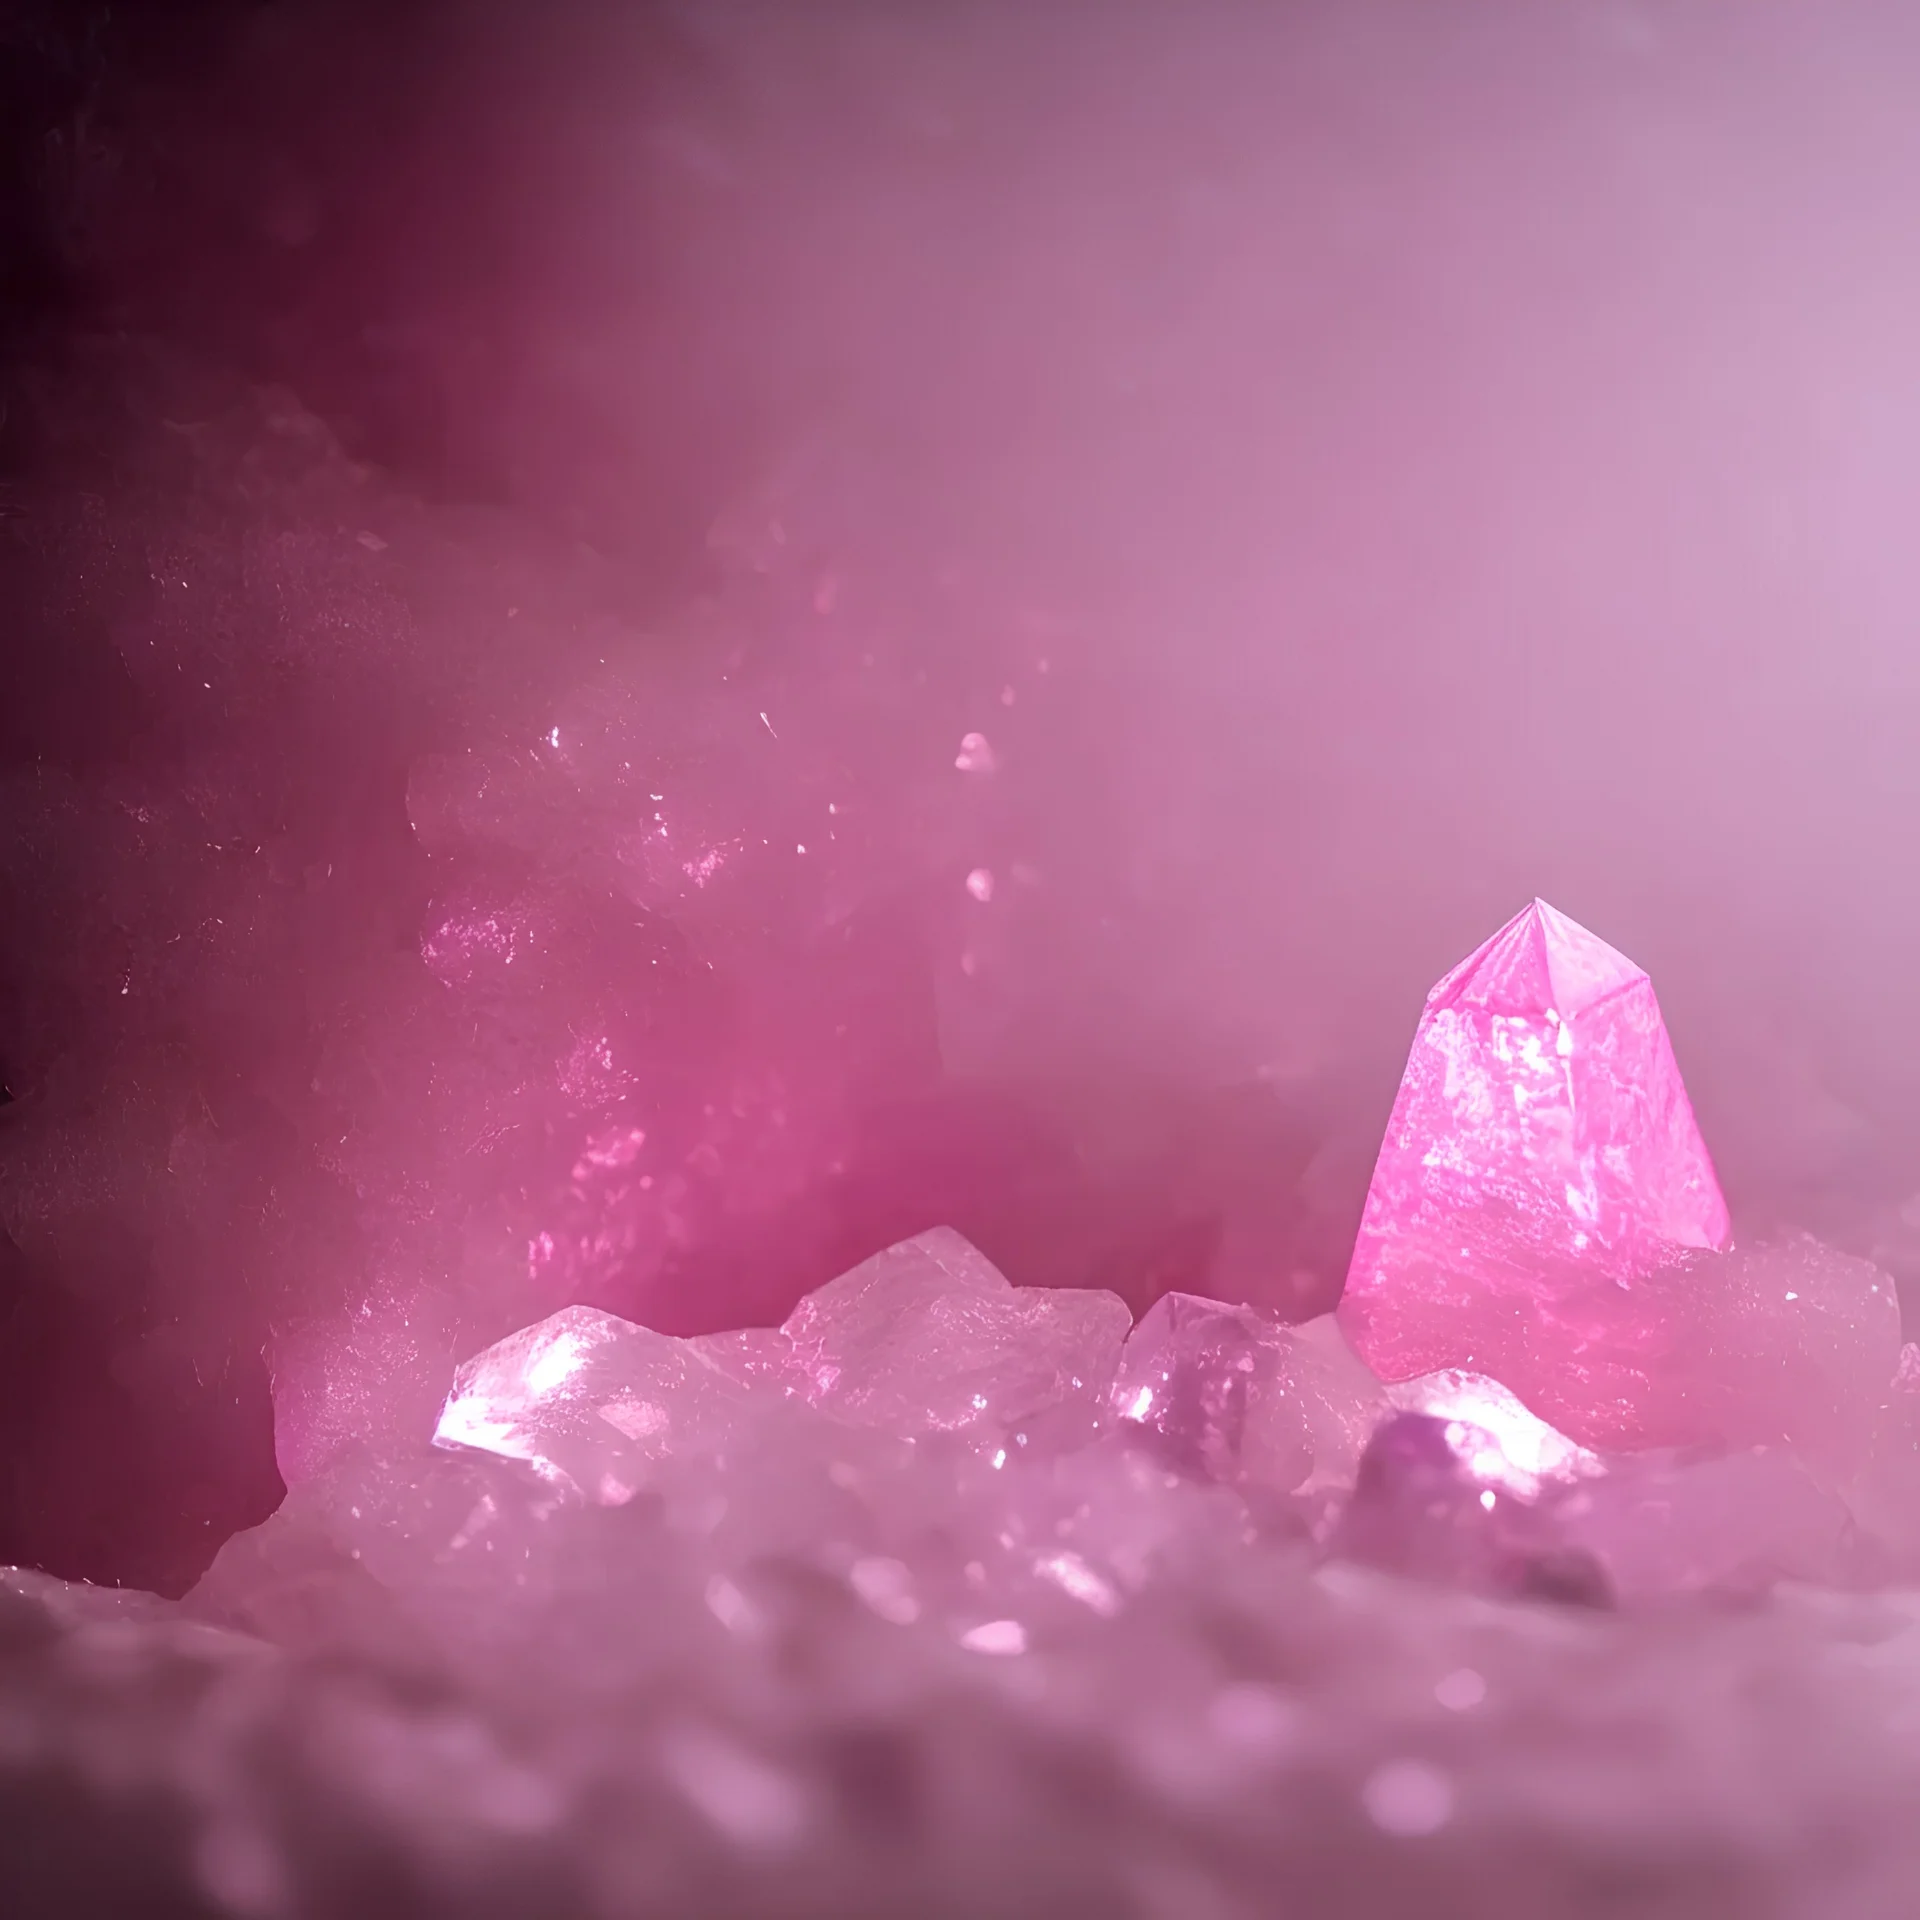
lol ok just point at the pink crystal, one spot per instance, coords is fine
(1542, 1141)
(1543, 1213)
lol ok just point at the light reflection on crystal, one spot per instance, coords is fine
(1501, 1440)
(926, 1336)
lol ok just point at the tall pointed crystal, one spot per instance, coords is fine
(1542, 1142)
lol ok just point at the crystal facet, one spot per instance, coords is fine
(586, 1398)
(1542, 1144)
(1432, 1500)
(926, 1336)
(930, 1335)
(1237, 1394)
(1507, 1446)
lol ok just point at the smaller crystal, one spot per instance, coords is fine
(370, 1551)
(1191, 1371)
(1430, 1502)
(588, 1399)
(1236, 1394)
(930, 1336)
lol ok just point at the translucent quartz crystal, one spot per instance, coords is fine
(1543, 1213)
(375, 1547)
(1466, 1486)
(1238, 1394)
(588, 1398)
(927, 1336)
(1431, 1501)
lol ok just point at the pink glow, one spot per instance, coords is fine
(1542, 1139)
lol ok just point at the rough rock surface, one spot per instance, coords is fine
(730, 1651)
(1134, 1709)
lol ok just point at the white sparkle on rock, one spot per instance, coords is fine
(926, 1336)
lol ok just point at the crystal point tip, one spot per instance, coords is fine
(1540, 962)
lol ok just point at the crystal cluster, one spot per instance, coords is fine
(1575, 1392)
(946, 1590)
(475, 990)
(951, 1595)
(926, 1337)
